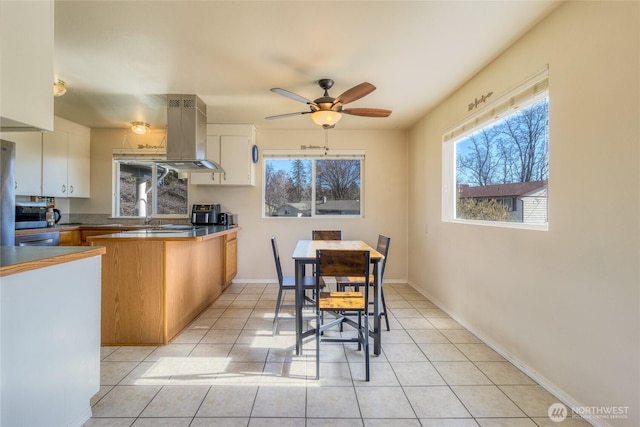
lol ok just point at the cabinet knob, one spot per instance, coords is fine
(15, 185)
(64, 188)
(71, 189)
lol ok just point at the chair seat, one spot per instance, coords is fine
(341, 301)
(344, 280)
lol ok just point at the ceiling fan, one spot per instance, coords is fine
(327, 111)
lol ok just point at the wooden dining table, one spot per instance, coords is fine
(305, 254)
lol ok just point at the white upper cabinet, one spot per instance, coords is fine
(66, 155)
(230, 145)
(26, 75)
(79, 159)
(54, 164)
(28, 161)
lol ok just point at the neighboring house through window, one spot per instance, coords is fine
(524, 202)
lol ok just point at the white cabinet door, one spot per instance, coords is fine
(235, 158)
(28, 162)
(26, 43)
(54, 164)
(230, 145)
(78, 170)
(213, 153)
(66, 156)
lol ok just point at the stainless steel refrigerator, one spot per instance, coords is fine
(8, 193)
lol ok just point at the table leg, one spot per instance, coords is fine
(299, 303)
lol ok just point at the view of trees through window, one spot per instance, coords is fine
(502, 169)
(142, 195)
(312, 187)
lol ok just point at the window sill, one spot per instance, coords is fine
(514, 225)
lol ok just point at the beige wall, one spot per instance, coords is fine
(563, 304)
(385, 196)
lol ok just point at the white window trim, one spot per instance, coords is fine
(534, 88)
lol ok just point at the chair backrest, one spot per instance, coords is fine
(338, 262)
(326, 235)
(276, 258)
(383, 248)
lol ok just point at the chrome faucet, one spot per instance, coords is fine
(148, 218)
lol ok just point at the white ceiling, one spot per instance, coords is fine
(120, 58)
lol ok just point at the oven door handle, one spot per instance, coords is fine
(42, 242)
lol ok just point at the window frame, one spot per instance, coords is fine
(314, 154)
(527, 93)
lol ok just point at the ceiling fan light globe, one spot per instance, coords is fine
(326, 118)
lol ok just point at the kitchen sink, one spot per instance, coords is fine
(177, 227)
(152, 231)
(162, 229)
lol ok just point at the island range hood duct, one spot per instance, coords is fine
(187, 135)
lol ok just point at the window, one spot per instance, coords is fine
(145, 189)
(299, 184)
(495, 163)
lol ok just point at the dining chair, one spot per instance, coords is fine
(288, 283)
(351, 263)
(326, 234)
(355, 282)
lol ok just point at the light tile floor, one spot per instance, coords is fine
(226, 369)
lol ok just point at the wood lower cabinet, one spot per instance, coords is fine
(193, 280)
(70, 238)
(153, 288)
(88, 232)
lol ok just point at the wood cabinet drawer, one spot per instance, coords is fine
(70, 238)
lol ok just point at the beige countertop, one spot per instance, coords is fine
(18, 259)
(72, 227)
(166, 233)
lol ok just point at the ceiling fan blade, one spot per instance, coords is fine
(280, 116)
(291, 95)
(355, 93)
(367, 112)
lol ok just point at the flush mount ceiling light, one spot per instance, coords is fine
(59, 88)
(326, 118)
(140, 127)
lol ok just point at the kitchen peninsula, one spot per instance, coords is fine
(50, 342)
(155, 281)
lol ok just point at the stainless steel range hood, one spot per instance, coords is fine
(187, 135)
